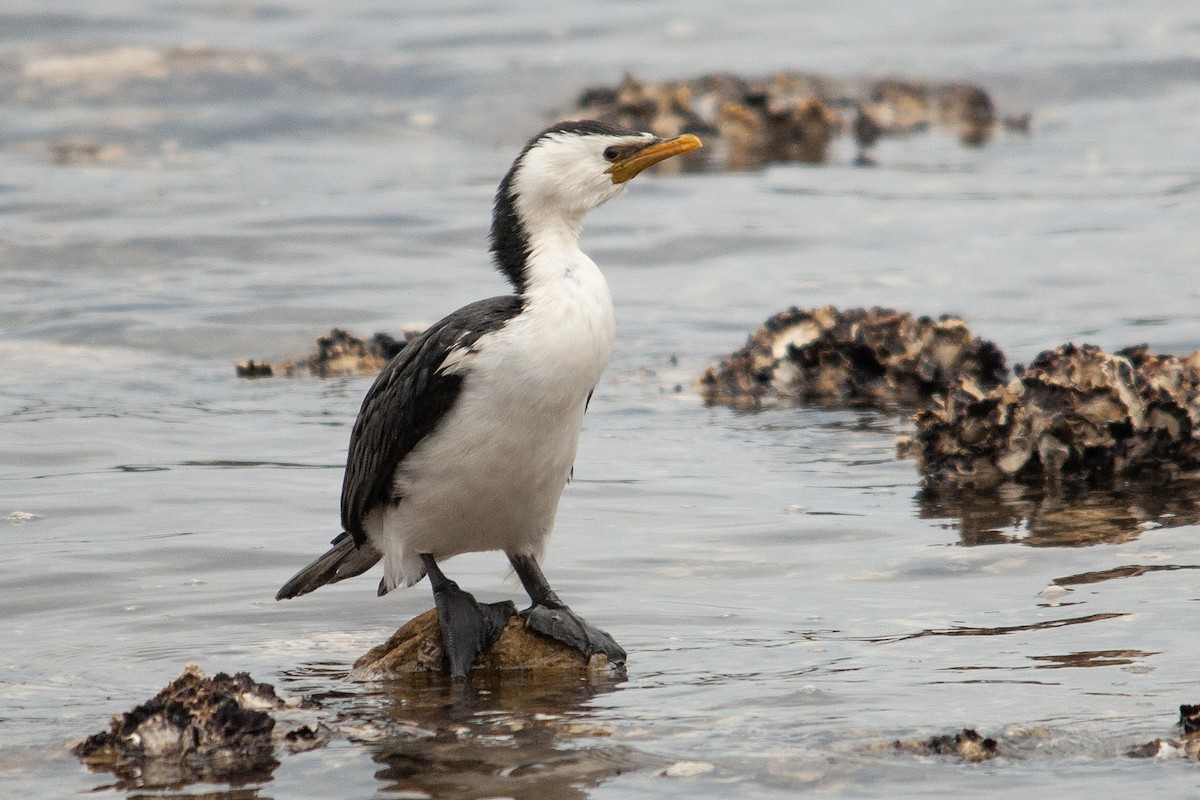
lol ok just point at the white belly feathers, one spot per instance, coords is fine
(490, 475)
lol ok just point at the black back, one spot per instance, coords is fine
(406, 403)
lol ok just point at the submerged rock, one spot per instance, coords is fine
(196, 729)
(877, 357)
(967, 745)
(1076, 413)
(750, 122)
(417, 648)
(338, 353)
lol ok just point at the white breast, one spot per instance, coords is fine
(491, 474)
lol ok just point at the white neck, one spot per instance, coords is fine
(554, 254)
(566, 291)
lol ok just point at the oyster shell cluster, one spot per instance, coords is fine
(1075, 413)
(749, 122)
(197, 729)
(338, 353)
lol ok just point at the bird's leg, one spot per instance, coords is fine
(550, 616)
(468, 627)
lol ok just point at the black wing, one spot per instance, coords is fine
(405, 404)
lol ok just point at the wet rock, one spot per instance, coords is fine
(1156, 748)
(338, 353)
(76, 151)
(416, 648)
(1188, 746)
(254, 369)
(1075, 414)
(750, 122)
(1018, 123)
(969, 111)
(195, 729)
(861, 357)
(1189, 720)
(343, 353)
(967, 745)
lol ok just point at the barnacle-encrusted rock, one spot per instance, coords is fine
(876, 357)
(195, 729)
(337, 353)
(749, 122)
(342, 353)
(1075, 413)
(417, 648)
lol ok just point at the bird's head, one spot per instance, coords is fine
(564, 172)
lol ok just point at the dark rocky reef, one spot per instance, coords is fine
(749, 122)
(338, 353)
(861, 357)
(1075, 414)
(416, 648)
(218, 729)
(995, 453)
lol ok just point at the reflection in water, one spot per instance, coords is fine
(1126, 571)
(229, 794)
(509, 737)
(1002, 630)
(1068, 518)
(1092, 658)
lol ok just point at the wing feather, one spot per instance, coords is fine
(408, 400)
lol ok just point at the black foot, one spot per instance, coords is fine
(564, 625)
(468, 627)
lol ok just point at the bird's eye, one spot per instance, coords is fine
(611, 152)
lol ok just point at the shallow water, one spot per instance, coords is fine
(791, 602)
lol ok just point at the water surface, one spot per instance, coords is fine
(792, 603)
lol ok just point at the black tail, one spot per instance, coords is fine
(344, 560)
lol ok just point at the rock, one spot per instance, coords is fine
(1188, 746)
(967, 745)
(877, 357)
(1155, 748)
(338, 353)
(342, 353)
(416, 648)
(195, 729)
(1075, 414)
(750, 122)
(254, 369)
(1189, 720)
(73, 151)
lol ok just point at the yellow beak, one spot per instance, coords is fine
(652, 153)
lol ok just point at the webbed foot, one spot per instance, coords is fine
(564, 625)
(550, 616)
(468, 627)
